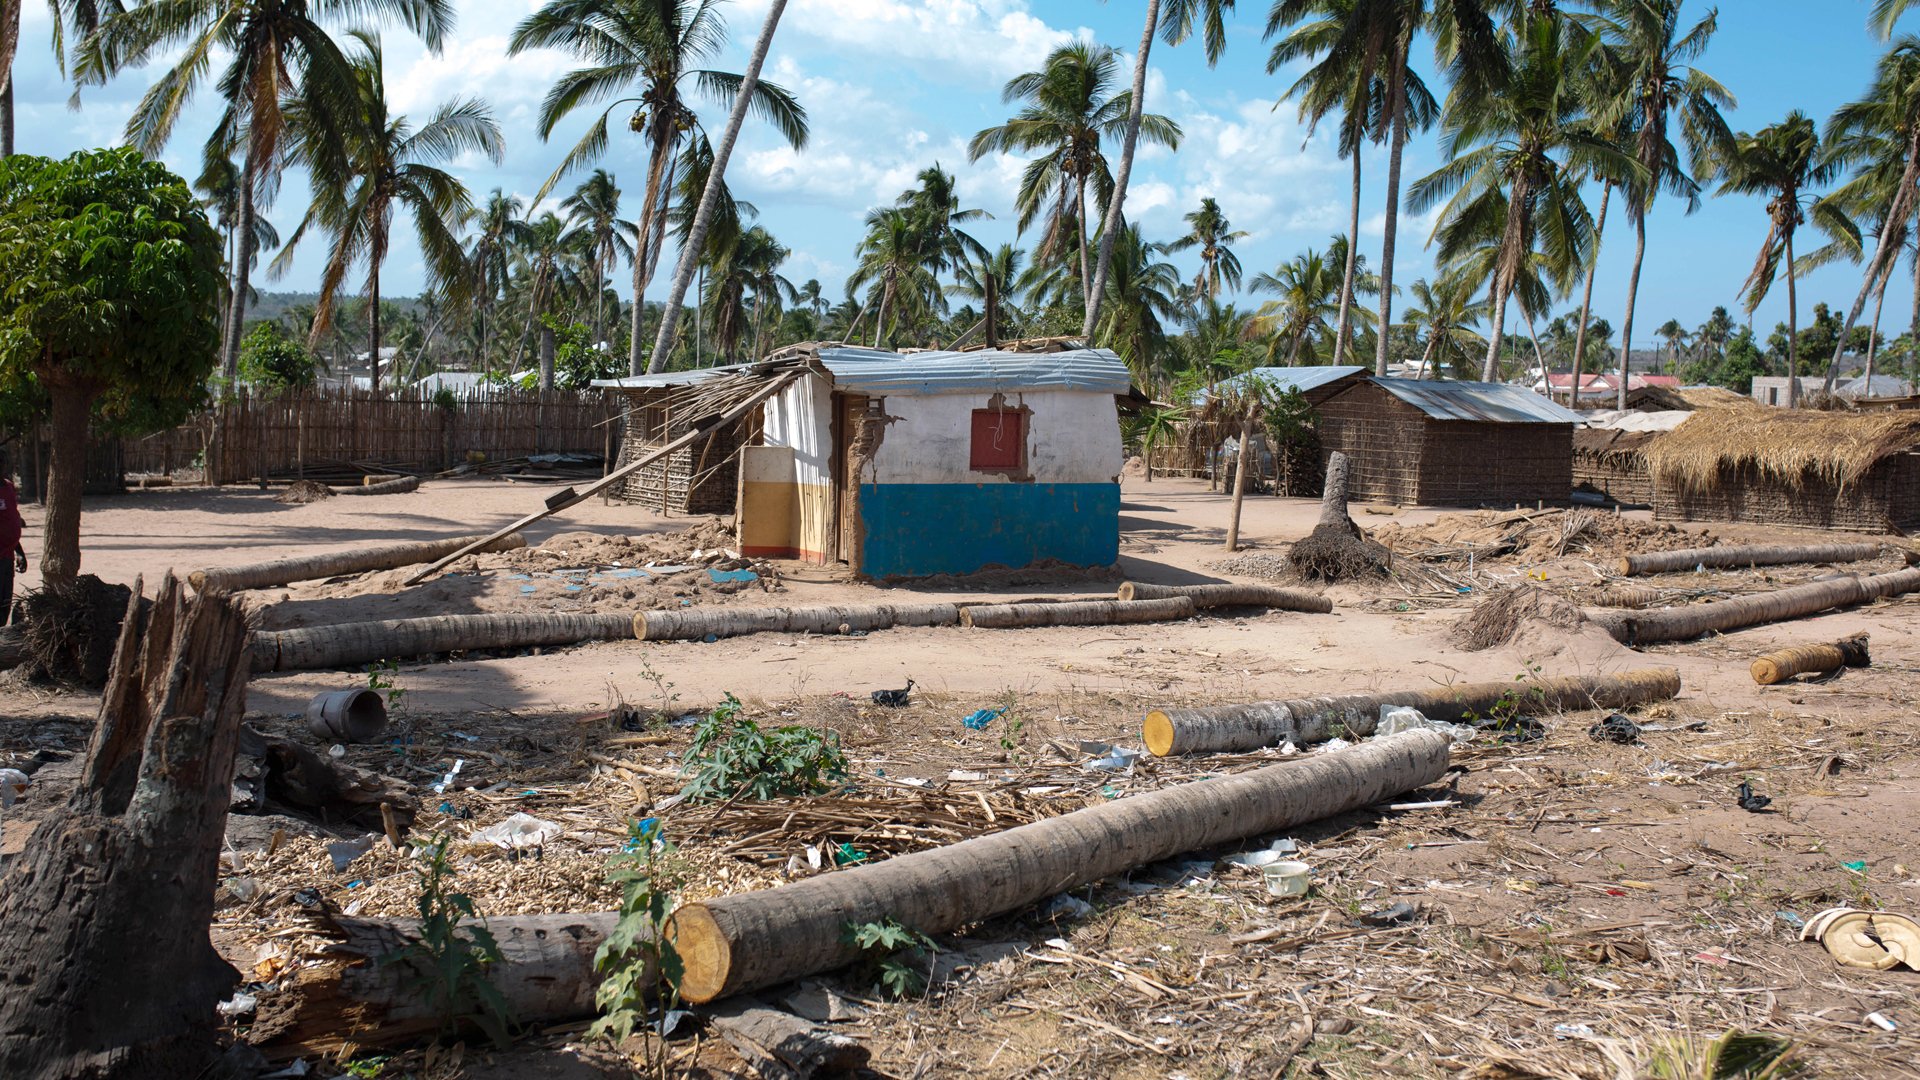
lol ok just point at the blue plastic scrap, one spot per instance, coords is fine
(723, 576)
(979, 720)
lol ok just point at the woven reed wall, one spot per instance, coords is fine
(1886, 500)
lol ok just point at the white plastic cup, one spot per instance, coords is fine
(1287, 878)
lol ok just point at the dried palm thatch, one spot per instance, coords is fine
(1714, 397)
(1502, 616)
(304, 491)
(1789, 447)
(71, 629)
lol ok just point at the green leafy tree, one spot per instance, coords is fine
(269, 357)
(109, 297)
(1741, 364)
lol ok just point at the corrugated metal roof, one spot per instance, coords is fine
(1302, 379)
(1494, 402)
(667, 378)
(870, 371)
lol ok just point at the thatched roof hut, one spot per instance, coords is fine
(1827, 470)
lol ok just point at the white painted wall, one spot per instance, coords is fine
(801, 416)
(1073, 437)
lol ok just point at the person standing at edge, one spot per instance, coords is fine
(10, 528)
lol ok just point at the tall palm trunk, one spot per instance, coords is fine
(1533, 335)
(243, 258)
(1633, 294)
(376, 254)
(1343, 334)
(880, 317)
(9, 46)
(600, 298)
(546, 357)
(1426, 356)
(1111, 226)
(1086, 264)
(1505, 271)
(1586, 299)
(993, 317)
(1397, 100)
(643, 256)
(1913, 330)
(703, 217)
(1793, 331)
(1897, 214)
(535, 301)
(1490, 369)
(1873, 334)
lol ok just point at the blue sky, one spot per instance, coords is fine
(894, 85)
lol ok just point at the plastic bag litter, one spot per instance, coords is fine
(1066, 906)
(520, 832)
(1395, 719)
(1120, 759)
(1335, 744)
(343, 852)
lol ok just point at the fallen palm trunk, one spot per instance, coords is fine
(1686, 623)
(385, 487)
(752, 940)
(1234, 728)
(1231, 594)
(1662, 562)
(1783, 664)
(698, 624)
(279, 572)
(1628, 596)
(349, 996)
(348, 644)
(1076, 613)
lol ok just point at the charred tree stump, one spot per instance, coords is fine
(103, 919)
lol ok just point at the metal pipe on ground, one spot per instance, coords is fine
(753, 940)
(1231, 594)
(1238, 728)
(279, 572)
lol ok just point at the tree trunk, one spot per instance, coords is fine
(113, 896)
(72, 407)
(751, 940)
(1490, 368)
(698, 624)
(1873, 332)
(9, 48)
(1239, 728)
(1426, 356)
(703, 217)
(1231, 594)
(880, 317)
(1793, 333)
(1076, 613)
(242, 268)
(1110, 223)
(343, 995)
(599, 297)
(1333, 496)
(396, 486)
(345, 645)
(1633, 295)
(1898, 211)
(1242, 462)
(644, 255)
(1396, 100)
(1783, 664)
(1343, 333)
(546, 357)
(1669, 562)
(1686, 623)
(1086, 264)
(1586, 301)
(373, 328)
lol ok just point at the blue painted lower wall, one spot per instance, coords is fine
(913, 530)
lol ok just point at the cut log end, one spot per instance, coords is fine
(704, 952)
(1157, 732)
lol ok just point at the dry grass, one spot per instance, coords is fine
(1496, 620)
(1786, 446)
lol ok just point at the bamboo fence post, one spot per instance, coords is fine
(748, 941)
(1253, 726)
(1783, 664)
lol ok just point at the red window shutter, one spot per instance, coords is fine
(999, 439)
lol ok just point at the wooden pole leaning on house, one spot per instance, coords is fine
(697, 624)
(269, 575)
(1783, 664)
(753, 940)
(1076, 613)
(1664, 562)
(1694, 620)
(1231, 594)
(113, 895)
(1239, 728)
(348, 644)
(569, 497)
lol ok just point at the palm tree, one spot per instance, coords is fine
(934, 206)
(809, 294)
(1886, 13)
(896, 259)
(70, 18)
(749, 265)
(272, 48)
(1067, 111)
(1209, 230)
(594, 209)
(1160, 424)
(1178, 26)
(993, 279)
(1306, 292)
(1661, 87)
(1375, 42)
(366, 164)
(219, 188)
(1142, 290)
(1888, 117)
(1444, 312)
(653, 48)
(549, 258)
(1783, 163)
(1516, 156)
(499, 229)
(1676, 337)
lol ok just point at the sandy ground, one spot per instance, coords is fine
(1580, 899)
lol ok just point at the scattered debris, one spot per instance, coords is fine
(301, 492)
(1751, 803)
(894, 699)
(1616, 728)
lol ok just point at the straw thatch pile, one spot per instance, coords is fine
(1789, 447)
(1712, 397)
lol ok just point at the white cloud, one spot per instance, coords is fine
(939, 40)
